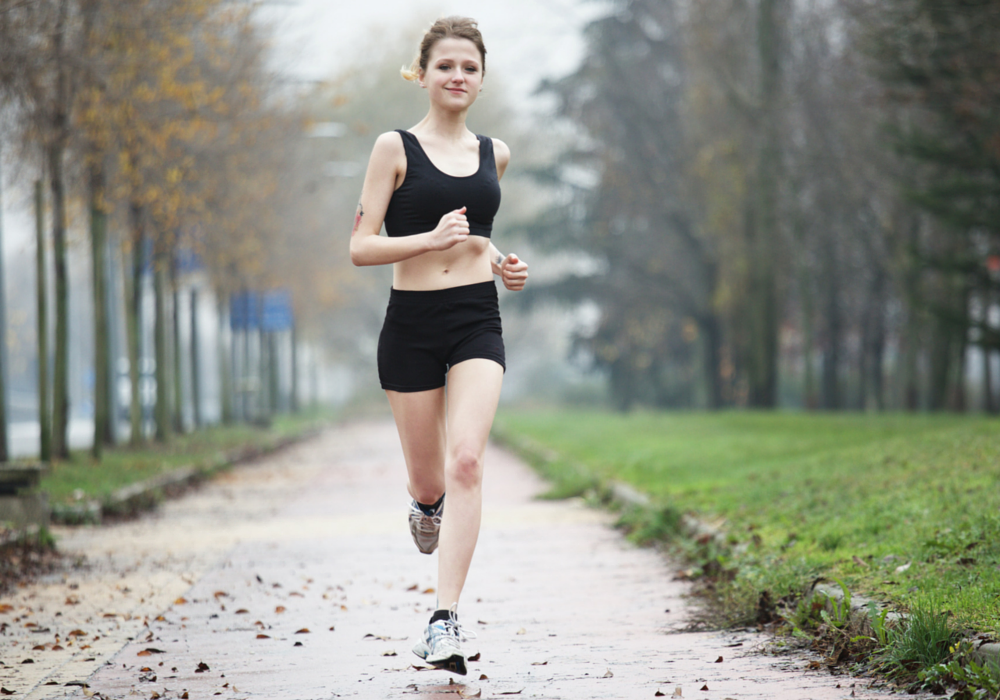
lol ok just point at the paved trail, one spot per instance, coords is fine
(295, 577)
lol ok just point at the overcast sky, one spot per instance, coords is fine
(526, 40)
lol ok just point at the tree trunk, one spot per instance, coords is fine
(273, 383)
(711, 334)
(160, 331)
(763, 319)
(60, 389)
(4, 365)
(42, 295)
(225, 366)
(98, 242)
(175, 349)
(831, 351)
(133, 324)
(195, 362)
(940, 371)
(55, 151)
(294, 397)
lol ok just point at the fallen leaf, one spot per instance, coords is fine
(413, 587)
(149, 651)
(421, 668)
(704, 687)
(180, 601)
(263, 636)
(110, 614)
(512, 692)
(57, 647)
(522, 631)
(241, 611)
(4, 691)
(38, 647)
(155, 696)
(72, 600)
(483, 677)
(160, 618)
(332, 629)
(280, 609)
(77, 633)
(474, 657)
(297, 644)
(859, 561)
(463, 693)
(202, 667)
(608, 674)
(427, 591)
(219, 594)
(903, 568)
(184, 695)
(658, 694)
(6, 608)
(539, 663)
(718, 660)
(296, 593)
(677, 693)
(388, 653)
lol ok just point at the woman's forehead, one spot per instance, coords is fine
(456, 49)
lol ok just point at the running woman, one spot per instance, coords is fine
(436, 187)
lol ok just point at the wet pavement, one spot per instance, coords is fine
(295, 577)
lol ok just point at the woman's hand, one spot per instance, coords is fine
(514, 273)
(450, 231)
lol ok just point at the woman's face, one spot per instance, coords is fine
(454, 73)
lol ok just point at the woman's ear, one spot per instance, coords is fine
(420, 77)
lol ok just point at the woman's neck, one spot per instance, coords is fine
(448, 126)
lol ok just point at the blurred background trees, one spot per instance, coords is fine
(736, 203)
(795, 203)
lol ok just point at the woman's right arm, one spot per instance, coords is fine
(367, 246)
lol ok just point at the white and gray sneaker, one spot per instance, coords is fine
(425, 528)
(441, 645)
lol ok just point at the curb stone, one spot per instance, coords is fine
(146, 494)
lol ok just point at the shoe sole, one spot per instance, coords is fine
(454, 663)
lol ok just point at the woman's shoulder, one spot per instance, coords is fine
(501, 153)
(390, 141)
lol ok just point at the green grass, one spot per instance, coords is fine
(82, 476)
(855, 497)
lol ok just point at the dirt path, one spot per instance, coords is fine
(296, 578)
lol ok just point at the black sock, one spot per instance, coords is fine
(441, 615)
(432, 509)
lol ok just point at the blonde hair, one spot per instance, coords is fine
(444, 28)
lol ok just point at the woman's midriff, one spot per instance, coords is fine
(464, 263)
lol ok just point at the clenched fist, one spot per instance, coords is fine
(451, 230)
(514, 273)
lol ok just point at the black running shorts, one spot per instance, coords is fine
(427, 333)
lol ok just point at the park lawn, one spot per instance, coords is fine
(905, 508)
(82, 477)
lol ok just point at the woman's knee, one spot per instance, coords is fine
(465, 468)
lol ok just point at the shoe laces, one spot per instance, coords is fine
(454, 628)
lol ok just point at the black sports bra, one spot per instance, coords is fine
(427, 194)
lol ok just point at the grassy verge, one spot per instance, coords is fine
(905, 509)
(80, 478)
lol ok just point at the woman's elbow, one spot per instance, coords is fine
(357, 255)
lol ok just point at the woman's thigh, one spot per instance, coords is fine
(420, 420)
(473, 392)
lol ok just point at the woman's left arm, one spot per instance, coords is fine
(512, 270)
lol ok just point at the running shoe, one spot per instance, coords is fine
(441, 646)
(425, 528)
